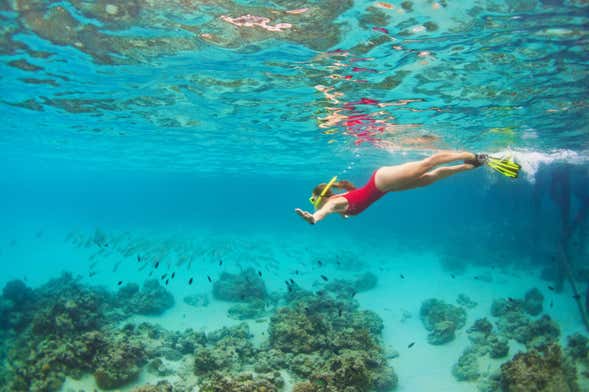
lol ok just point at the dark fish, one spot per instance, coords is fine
(287, 282)
(551, 303)
(167, 281)
(190, 281)
(297, 272)
(577, 296)
(291, 281)
(476, 278)
(173, 274)
(138, 258)
(106, 245)
(91, 274)
(120, 282)
(324, 278)
(402, 276)
(260, 274)
(319, 262)
(220, 262)
(209, 278)
(163, 276)
(453, 276)
(353, 294)
(157, 264)
(550, 288)
(411, 344)
(510, 299)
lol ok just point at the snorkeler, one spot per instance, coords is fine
(396, 178)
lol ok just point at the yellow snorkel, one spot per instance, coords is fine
(317, 201)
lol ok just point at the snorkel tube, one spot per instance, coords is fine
(317, 201)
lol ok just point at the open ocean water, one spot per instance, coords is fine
(153, 152)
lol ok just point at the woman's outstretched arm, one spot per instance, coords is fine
(328, 208)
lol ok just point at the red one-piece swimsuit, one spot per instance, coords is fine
(359, 199)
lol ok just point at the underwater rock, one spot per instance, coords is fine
(533, 302)
(269, 360)
(464, 300)
(500, 307)
(153, 299)
(542, 371)
(243, 287)
(249, 310)
(197, 300)
(467, 367)
(442, 320)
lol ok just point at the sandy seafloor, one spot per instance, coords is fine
(396, 299)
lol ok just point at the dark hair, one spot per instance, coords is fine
(343, 184)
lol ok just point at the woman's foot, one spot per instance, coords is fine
(478, 160)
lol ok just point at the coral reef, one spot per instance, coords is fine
(467, 367)
(542, 371)
(533, 302)
(464, 300)
(442, 320)
(346, 288)
(152, 299)
(249, 310)
(352, 358)
(197, 300)
(244, 287)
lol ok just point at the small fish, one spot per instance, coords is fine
(190, 281)
(260, 274)
(320, 263)
(209, 278)
(550, 288)
(163, 276)
(167, 281)
(220, 262)
(296, 272)
(577, 296)
(453, 276)
(157, 264)
(173, 274)
(411, 344)
(91, 274)
(291, 281)
(476, 278)
(510, 299)
(381, 29)
(138, 258)
(324, 278)
(120, 282)
(353, 294)
(402, 276)
(551, 303)
(287, 282)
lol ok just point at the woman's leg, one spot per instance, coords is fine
(438, 174)
(400, 177)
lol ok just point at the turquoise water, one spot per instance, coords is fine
(178, 133)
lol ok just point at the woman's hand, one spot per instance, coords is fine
(305, 215)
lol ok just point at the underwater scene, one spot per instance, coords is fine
(294, 195)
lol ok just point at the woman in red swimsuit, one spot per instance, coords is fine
(388, 179)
